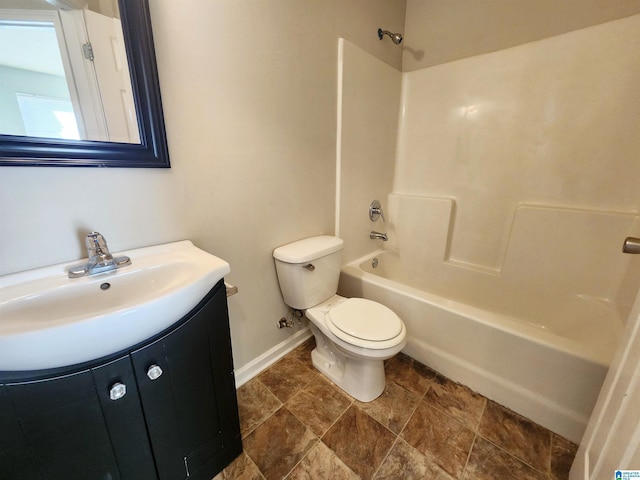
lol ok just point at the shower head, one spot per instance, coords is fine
(395, 37)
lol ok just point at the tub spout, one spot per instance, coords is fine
(378, 236)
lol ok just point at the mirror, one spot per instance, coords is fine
(79, 85)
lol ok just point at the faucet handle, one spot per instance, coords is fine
(96, 244)
(375, 211)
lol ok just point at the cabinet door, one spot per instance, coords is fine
(68, 424)
(64, 427)
(16, 460)
(125, 420)
(182, 403)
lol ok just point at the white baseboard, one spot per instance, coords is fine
(257, 365)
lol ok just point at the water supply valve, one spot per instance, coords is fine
(294, 314)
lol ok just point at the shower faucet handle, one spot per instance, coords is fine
(375, 211)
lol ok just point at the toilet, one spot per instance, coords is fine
(353, 335)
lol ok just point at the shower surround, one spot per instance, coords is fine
(515, 182)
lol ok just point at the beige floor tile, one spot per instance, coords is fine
(279, 444)
(519, 436)
(444, 440)
(406, 463)
(408, 373)
(302, 353)
(359, 441)
(489, 462)
(255, 404)
(393, 408)
(286, 377)
(318, 405)
(456, 400)
(322, 463)
(562, 454)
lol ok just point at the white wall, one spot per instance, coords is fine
(550, 123)
(249, 94)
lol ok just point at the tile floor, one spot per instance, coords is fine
(298, 425)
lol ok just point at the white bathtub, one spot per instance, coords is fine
(544, 357)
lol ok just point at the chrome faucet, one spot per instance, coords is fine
(378, 236)
(100, 259)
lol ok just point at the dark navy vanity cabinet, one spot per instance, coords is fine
(165, 409)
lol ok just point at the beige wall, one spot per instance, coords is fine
(249, 90)
(249, 93)
(370, 100)
(439, 31)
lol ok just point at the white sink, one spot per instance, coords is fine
(48, 320)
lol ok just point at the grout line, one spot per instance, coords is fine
(384, 460)
(249, 432)
(466, 463)
(547, 474)
(478, 434)
(304, 456)
(338, 419)
(484, 410)
(421, 398)
(255, 464)
(475, 437)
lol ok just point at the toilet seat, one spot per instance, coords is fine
(364, 323)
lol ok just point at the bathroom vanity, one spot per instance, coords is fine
(164, 408)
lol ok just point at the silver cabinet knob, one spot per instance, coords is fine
(117, 391)
(154, 372)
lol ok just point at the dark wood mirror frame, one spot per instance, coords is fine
(152, 150)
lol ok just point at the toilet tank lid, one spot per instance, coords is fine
(308, 249)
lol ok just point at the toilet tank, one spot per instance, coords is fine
(308, 270)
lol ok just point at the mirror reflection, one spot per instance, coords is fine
(65, 72)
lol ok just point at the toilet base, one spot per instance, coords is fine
(362, 378)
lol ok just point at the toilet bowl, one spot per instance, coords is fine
(353, 335)
(349, 353)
